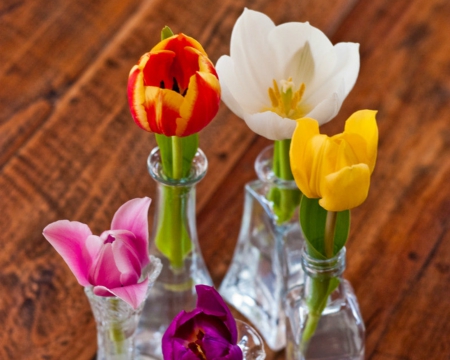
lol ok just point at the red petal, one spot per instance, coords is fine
(136, 98)
(157, 69)
(163, 110)
(200, 104)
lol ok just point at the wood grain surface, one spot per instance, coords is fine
(70, 150)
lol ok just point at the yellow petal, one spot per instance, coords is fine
(163, 109)
(136, 97)
(352, 150)
(345, 189)
(301, 167)
(322, 152)
(363, 123)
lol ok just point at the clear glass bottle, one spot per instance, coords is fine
(117, 321)
(340, 332)
(250, 342)
(266, 259)
(174, 240)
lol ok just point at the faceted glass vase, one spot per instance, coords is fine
(174, 240)
(117, 321)
(266, 259)
(340, 332)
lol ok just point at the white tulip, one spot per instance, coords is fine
(277, 74)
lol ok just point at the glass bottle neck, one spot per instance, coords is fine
(323, 269)
(265, 173)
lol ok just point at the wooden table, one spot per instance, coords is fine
(70, 150)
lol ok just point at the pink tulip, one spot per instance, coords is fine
(113, 262)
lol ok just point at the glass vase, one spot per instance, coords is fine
(339, 333)
(117, 321)
(250, 342)
(266, 259)
(174, 240)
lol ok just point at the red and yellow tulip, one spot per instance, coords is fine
(335, 169)
(174, 89)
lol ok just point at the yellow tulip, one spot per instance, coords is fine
(335, 169)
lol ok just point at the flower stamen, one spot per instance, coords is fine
(286, 102)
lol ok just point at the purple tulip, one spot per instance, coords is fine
(113, 262)
(208, 332)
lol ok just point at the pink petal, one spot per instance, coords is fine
(126, 257)
(68, 238)
(104, 271)
(134, 295)
(133, 216)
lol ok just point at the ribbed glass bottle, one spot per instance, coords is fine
(340, 331)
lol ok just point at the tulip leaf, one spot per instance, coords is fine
(166, 32)
(313, 219)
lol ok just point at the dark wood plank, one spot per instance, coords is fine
(45, 47)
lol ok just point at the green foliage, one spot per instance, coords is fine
(166, 32)
(313, 219)
(177, 152)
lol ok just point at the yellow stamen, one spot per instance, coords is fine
(287, 103)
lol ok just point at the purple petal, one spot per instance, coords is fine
(210, 302)
(234, 354)
(68, 238)
(134, 295)
(133, 216)
(216, 348)
(168, 337)
(104, 271)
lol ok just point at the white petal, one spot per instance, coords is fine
(270, 125)
(298, 46)
(348, 64)
(229, 85)
(327, 109)
(253, 60)
(344, 73)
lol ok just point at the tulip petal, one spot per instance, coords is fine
(162, 108)
(216, 347)
(301, 165)
(299, 48)
(348, 64)
(68, 238)
(270, 125)
(126, 257)
(227, 76)
(211, 303)
(157, 69)
(200, 104)
(134, 295)
(345, 189)
(327, 107)
(253, 59)
(133, 216)
(363, 123)
(104, 271)
(136, 98)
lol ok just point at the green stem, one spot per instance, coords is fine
(285, 201)
(177, 157)
(116, 333)
(172, 237)
(321, 288)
